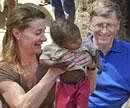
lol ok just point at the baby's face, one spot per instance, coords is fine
(73, 44)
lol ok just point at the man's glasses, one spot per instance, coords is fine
(107, 26)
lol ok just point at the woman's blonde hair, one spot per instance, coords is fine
(19, 18)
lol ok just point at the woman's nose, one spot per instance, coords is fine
(43, 38)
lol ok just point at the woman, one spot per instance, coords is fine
(113, 85)
(24, 82)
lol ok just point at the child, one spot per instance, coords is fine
(73, 89)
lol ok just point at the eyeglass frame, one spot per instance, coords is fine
(108, 26)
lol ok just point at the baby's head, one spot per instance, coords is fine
(65, 34)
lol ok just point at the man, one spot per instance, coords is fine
(113, 85)
(64, 9)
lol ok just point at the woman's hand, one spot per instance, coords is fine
(56, 71)
(69, 56)
(84, 59)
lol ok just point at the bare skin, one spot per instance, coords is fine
(29, 44)
(17, 98)
(103, 38)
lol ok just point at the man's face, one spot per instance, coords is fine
(104, 29)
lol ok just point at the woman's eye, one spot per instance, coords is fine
(38, 33)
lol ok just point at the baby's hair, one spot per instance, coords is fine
(62, 30)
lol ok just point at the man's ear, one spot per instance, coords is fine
(90, 26)
(118, 26)
(16, 33)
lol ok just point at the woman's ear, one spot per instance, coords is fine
(16, 33)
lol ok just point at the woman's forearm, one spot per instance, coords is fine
(92, 77)
(34, 97)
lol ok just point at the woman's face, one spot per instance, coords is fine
(31, 38)
(104, 28)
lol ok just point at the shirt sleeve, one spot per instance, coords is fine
(88, 46)
(52, 52)
(8, 74)
(48, 52)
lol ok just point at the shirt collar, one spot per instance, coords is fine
(116, 47)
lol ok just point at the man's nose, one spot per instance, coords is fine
(104, 29)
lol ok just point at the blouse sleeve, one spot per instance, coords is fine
(7, 73)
